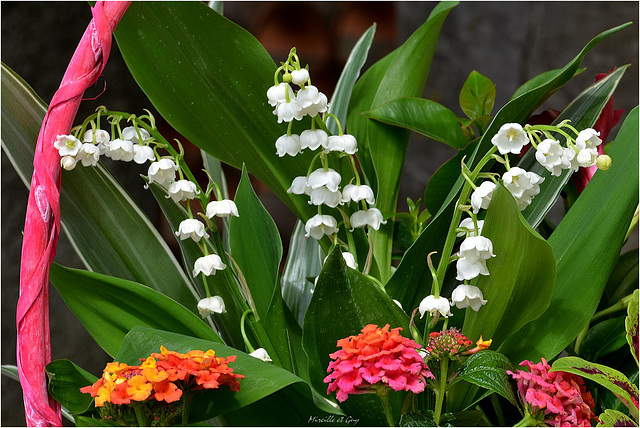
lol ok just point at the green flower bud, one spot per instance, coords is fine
(603, 162)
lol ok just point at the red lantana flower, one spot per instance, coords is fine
(376, 356)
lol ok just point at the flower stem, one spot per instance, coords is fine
(383, 395)
(527, 421)
(444, 366)
(140, 417)
(186, 406)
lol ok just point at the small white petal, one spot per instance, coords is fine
(589, 137)
(481, 196)
(142, 154)
(354, 193)
(223, 208)
(211, 305)
(288, 145)
(299, 186)
(319, 178)
(511, 138)
(162, 172)
(467, 296)
(320, 225)
(467, 223)
(129, 133)
(182, 190)
(342, 143)
(371, 217)
(313, 139)
(434, 305)
(191, 228)
(324, 196)
(261, 354)
(208, 265)
(523, 185)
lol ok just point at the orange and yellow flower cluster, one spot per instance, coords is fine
(163, 377)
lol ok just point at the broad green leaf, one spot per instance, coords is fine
(623, 279)
(304, 261)
(413, 419)
(344, 88)
(10, 371)
(65, 381)
(86, 421)
(583, 112)
(208, 78)
(345, 301)
(593, 230)
(522, 273)
(109, 307)
(602, 339)
(611, 379)
(261, 379)
(614, 418)
(423, 116)
(477, 96)
(540, 79)
(95, 208)
(402, 73)
(631, 326)
(488, 369)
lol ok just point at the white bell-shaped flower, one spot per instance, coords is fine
(473, 255)
(299, 186)
(182, 190)
(286, 112)
(319, 178)
(288, 145)
(307, 96)
(99, 136)
(511, 138)
(211, 305)
(371, 217)
(278, 94)
(313, 139)
(324, 196)
(434, 305)
(141, 154)
(320, 105)
(589, 137)
(261, 354)
(320, 225)
(570, 156)
(89, 154)
(587, 157)
(481, 196)
(67, 145)
(68, 162)
(550, 154)
(300, 77)
(191, 228)
(162, 172)
(208, 265)
(467, 223)
(352, 192)
(223, 208)
(130, 133)
(342, 143)
(467, 296)
(523, 185)
(120, 150)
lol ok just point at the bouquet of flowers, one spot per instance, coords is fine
(376, 316)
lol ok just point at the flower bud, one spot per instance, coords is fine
(68, 162)
(603, 162)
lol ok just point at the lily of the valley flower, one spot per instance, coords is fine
(467, 223)
(67, 145)
(603, 162)
(288, 111)
(300, 77)
(342, 143)
(89, 154)
(278, 94)
(474, 252)
(324, 196)
(261, 354)
(435, 305)
(163, 172)
(481, 196)
(523, 185)
(208, 265)
(589, 137)
(130, 133)
(511, 138)
(182, 190)
(211, 305)
(330, 178)
(551, 155)
(299, 186)
(141, 154)
(121, 150)
(99, 136)
(464, 296)
(191, 228)
(320, 225)
(288, 145)
(313, 139)
(587, 156)
(319, 104)
(354, 193)
(68, 162)
(223, 208)
(371, 217)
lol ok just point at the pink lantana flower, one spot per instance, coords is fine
(373, 357)
(556, 398)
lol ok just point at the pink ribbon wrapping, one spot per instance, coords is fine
(40, 232)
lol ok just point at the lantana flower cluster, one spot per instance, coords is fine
(376, 358)
(451, 344)
(554, 398)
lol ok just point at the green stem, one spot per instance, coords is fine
(383, 395)
(498, 409)
(444, 366)
(140, 417)
(527, 421)
(186, 406)
(618, 306)
(634, 223)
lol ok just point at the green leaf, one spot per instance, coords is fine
(614, 418)
(611, 379)
(109, 307)
(402, 73)
(261, 379)
(423, 116)
(583, 112)
(344, 88)
(631, 326)
(623, 279)
(519, 287)
(488, 369)
(95, 208)
(593, 229)
(85, 421)
(413, 419)
(603, 338)
(345, 301)
(65, 381)
(477, 96)
(10, 372)
(208, 78)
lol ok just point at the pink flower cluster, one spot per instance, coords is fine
(376, 355)
(447, 344)
(561, 396)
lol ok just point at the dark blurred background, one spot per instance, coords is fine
(509, 42)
